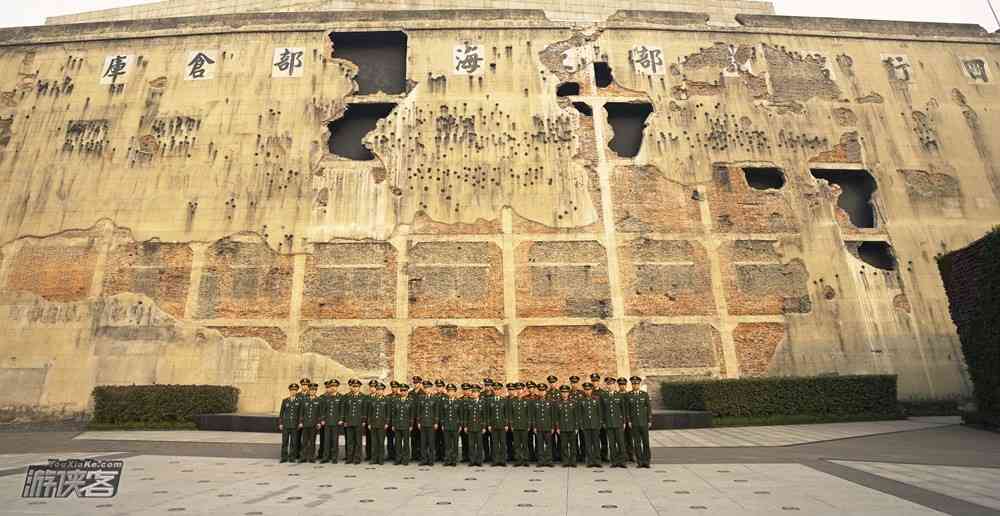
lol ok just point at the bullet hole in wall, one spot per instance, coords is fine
(857, 187)
(602, 74)
(764, 178)
(628, 121)
(380, 56)
(583, 108)
(876, 254)
(347, 132)
(568, 89)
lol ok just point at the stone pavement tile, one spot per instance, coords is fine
(975, 485)
(193, 436)
(22, 460)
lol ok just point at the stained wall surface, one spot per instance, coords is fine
(185, 219)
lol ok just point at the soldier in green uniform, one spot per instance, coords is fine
(499, 423)
(377, 414)
(451, 423)
(390, 434)
(416, 394)
(440, 395)
(576, 394)
(627, 432)
(353, 414)
(372, 384)
(309, 420)
(602, 394)
(330, 422)
(401, 414)
(288, 424)
(552, 394)
(520, 422)
(474, 422)
(511, 394)
(613, 407)
(302, 396)
(427, 424)
(530, 395)
(463, 437)
(486, 396)
(590, 425)
(566, 412)
(543, 419)
(640, 414)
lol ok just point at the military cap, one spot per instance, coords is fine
(530, 384)
(416, 380)
(372, 383)
(428, 383)
(565, 388)
(542, 387)
(380, 386)
(293, 386)
(622, 381)
(335, 382)
(487, 381)
(313, 386)
(354, 381)
(609, 380)
(552, 379)
(439, 383)
(394, 384)
(451, 387)
(521, 385)
(465, 386)
(328, 383)
(587, 386)
(475, 387)
(636, 379)
(511, 385)
(404, 386)
(594, 377)
(574, 379)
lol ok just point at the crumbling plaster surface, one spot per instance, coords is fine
(200, 231)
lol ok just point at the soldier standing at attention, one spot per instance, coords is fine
(520, 422)
(566, 426)
(353, 414)
(499, 423)
(602, 393)
(576, 394)
(512, 393)
(529, 394)
(626, 433)
(427, 424)
(302, 396)
(310, 423)
(552, 394)
(614, 424)
(474, 423)
(440, 395)
(288, 424)
(372, 385)
(543, 418)
(590, 425)
(390, 434)
(487, 397)
(378, 423)
(401, 414)
(451, 423)
(462, 435)
(416, 395)
(640, 413)
(331, 422)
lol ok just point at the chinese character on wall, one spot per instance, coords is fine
(976, 70)
(468, 59)
(899, 67)
(116, 69)
(200, 65)
(647, 60)
(288, 62)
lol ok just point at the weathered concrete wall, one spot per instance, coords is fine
(158, 229)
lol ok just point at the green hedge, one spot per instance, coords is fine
(972, 280)
(871, 396)
(123, 404)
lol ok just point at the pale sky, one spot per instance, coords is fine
(33, 12)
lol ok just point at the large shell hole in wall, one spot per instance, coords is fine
(347, 132)
(602, 74)
(628, 121)
(876, 254)
(856, 189)
(568, 89)
(764, 178)
(380, 56)
(583, 108)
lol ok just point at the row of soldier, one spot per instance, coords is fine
(432, 422)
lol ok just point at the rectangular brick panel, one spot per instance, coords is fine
(56, 273)
(457, 354)
(755, 346)
(244, 280)
(350, 281)
(366, 351)
(666, 277)
(674, 346)
(562, 279)
(456, 280)
(160, 271)
(565, 351)
(645, 200)
(738, 208)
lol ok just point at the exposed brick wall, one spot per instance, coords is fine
(54, 272)
(670, 346)
(275, 337)
(568, 279)
(755, 346)
(244, 280)
(457, 354)
(366, 351)
(758, 283)
(738, 208)
(666, 277)
(645, 200)
(565, 351)
(350, 281)
(160, 271)
(455, 279)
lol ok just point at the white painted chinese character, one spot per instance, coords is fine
(468, 59)
(200, 65)
(288, 62)
(647, 59)
(116, 68)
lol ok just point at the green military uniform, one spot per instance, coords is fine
(520, 422)
(640, 413)
(552, 394)
(402, 410)
(427, 420)
(498, 408)
(602, 394)
(543, 419)
(372, 384)
(416, 395)
(451, 424)
(310, 419)
(577, 394)
(332, 424)
(566, 416)
(439, 447)
(613, 410)
(353, 414)
(590, 426)
(288, 422)
(474, 420)
(378, 422)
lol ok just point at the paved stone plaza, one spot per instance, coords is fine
(920, 466)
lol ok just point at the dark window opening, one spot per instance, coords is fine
(380, 56)
(568, 89)
(767, 178)
(347, 132)
(583, 108)
(602, 74)
(876, 254)
(628, 121)
(857, 187)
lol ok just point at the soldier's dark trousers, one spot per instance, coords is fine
(568, 443)
(352, 444)
(331, 438)
(557, 447)
(640, 443)
(289, 444)
(592, 441)
(475, 440)
(322, 443)
(616, 445)
(403, 446)
(308, 452)
(368, 443)
(488, 446)
(390, 444)
(464, 437)
(450, 447)
(605, 455)
(532, 450)
(520, 447)
(543, 442)
(510, 445)
(439, 446)
(629, 450)
(376, 437)
(427, 452)
(415, 445)
(499, 438)
(581, 445)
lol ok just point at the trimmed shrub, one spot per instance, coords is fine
(123, 404)
(972, 280)
(837, 396)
